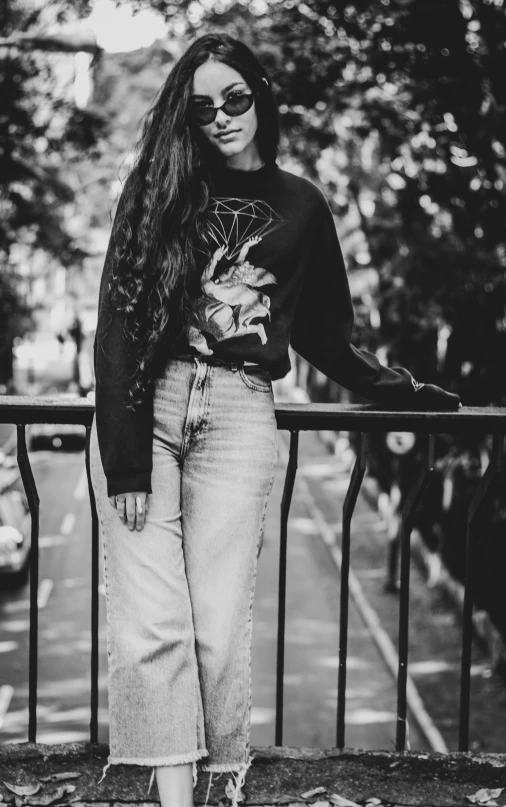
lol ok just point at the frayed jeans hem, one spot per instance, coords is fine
(156, 762)
(241, 768)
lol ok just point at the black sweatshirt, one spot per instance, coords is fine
(278, 279)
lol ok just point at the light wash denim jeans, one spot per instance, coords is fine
(179, 593)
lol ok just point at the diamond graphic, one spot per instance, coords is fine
(233, 221)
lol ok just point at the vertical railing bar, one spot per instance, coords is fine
(94, 597)
(32, 496)
(408, 512)
(489, 477)
(350, 501)
(286, 501)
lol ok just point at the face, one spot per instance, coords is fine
(214, 83)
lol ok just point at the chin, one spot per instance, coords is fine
(227, 149)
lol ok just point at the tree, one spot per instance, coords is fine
(42, 134)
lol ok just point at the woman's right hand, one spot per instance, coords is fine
(131, 508)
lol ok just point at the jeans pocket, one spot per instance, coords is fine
(256, 378)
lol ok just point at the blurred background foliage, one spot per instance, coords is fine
(396, 108)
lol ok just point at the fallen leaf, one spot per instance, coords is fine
(59, 777)
(341, 801)
(18, 801)
(309, 793)
(372, 801)
(321, 804)
(394, 764)
(485, 795)
(69, 788)
(48, 798)
(23, 790)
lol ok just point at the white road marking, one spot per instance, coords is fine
(68, 523)
(45, 589)
(369, 615)
(81, 490)
(6, 693)
(15, 606)
(101, 589)
(46, 541)
(6, 647)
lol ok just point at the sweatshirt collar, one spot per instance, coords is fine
(224, 178)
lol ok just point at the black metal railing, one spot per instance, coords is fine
(294, 418)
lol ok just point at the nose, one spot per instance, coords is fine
(222, 117)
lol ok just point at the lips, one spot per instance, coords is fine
(224, 134)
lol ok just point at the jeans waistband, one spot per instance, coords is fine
(213, 360)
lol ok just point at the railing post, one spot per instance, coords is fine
(94, 597)
(348, 507)
(408, 513)
(490, 476)
(285, 510)
(32, 496)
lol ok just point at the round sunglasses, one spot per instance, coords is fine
(234, 106)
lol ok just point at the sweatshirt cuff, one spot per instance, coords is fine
(131, 481)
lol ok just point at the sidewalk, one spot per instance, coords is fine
(435, 630)
(312, 629)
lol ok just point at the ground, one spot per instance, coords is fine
(278, 775)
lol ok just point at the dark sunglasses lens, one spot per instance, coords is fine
(203, 115)
(238, 105)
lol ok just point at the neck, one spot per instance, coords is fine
(247, 160)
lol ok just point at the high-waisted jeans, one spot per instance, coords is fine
(179, 593)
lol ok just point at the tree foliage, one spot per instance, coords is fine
(43, 135)
(399, 108)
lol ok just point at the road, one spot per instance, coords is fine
(64, 612)
(311, 631)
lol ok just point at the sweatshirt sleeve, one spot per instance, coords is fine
(322, 328)
(125, 436)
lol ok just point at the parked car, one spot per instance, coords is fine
(15, 529)
(57, 436)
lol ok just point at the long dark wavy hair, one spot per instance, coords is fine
(161, 238)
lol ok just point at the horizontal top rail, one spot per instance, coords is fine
(23, 409)
(374, 418)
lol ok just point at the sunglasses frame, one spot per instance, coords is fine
(250, 95)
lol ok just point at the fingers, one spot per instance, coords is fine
(141, 506)
(131, 509)
(121, 508)
(435, 397)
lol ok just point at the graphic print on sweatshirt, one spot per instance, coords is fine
(231, 303)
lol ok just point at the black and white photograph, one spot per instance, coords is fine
(252, 403)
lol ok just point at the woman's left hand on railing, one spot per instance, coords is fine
(430, 396)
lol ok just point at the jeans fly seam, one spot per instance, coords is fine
(191, 424)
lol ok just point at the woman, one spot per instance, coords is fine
(217, 260)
